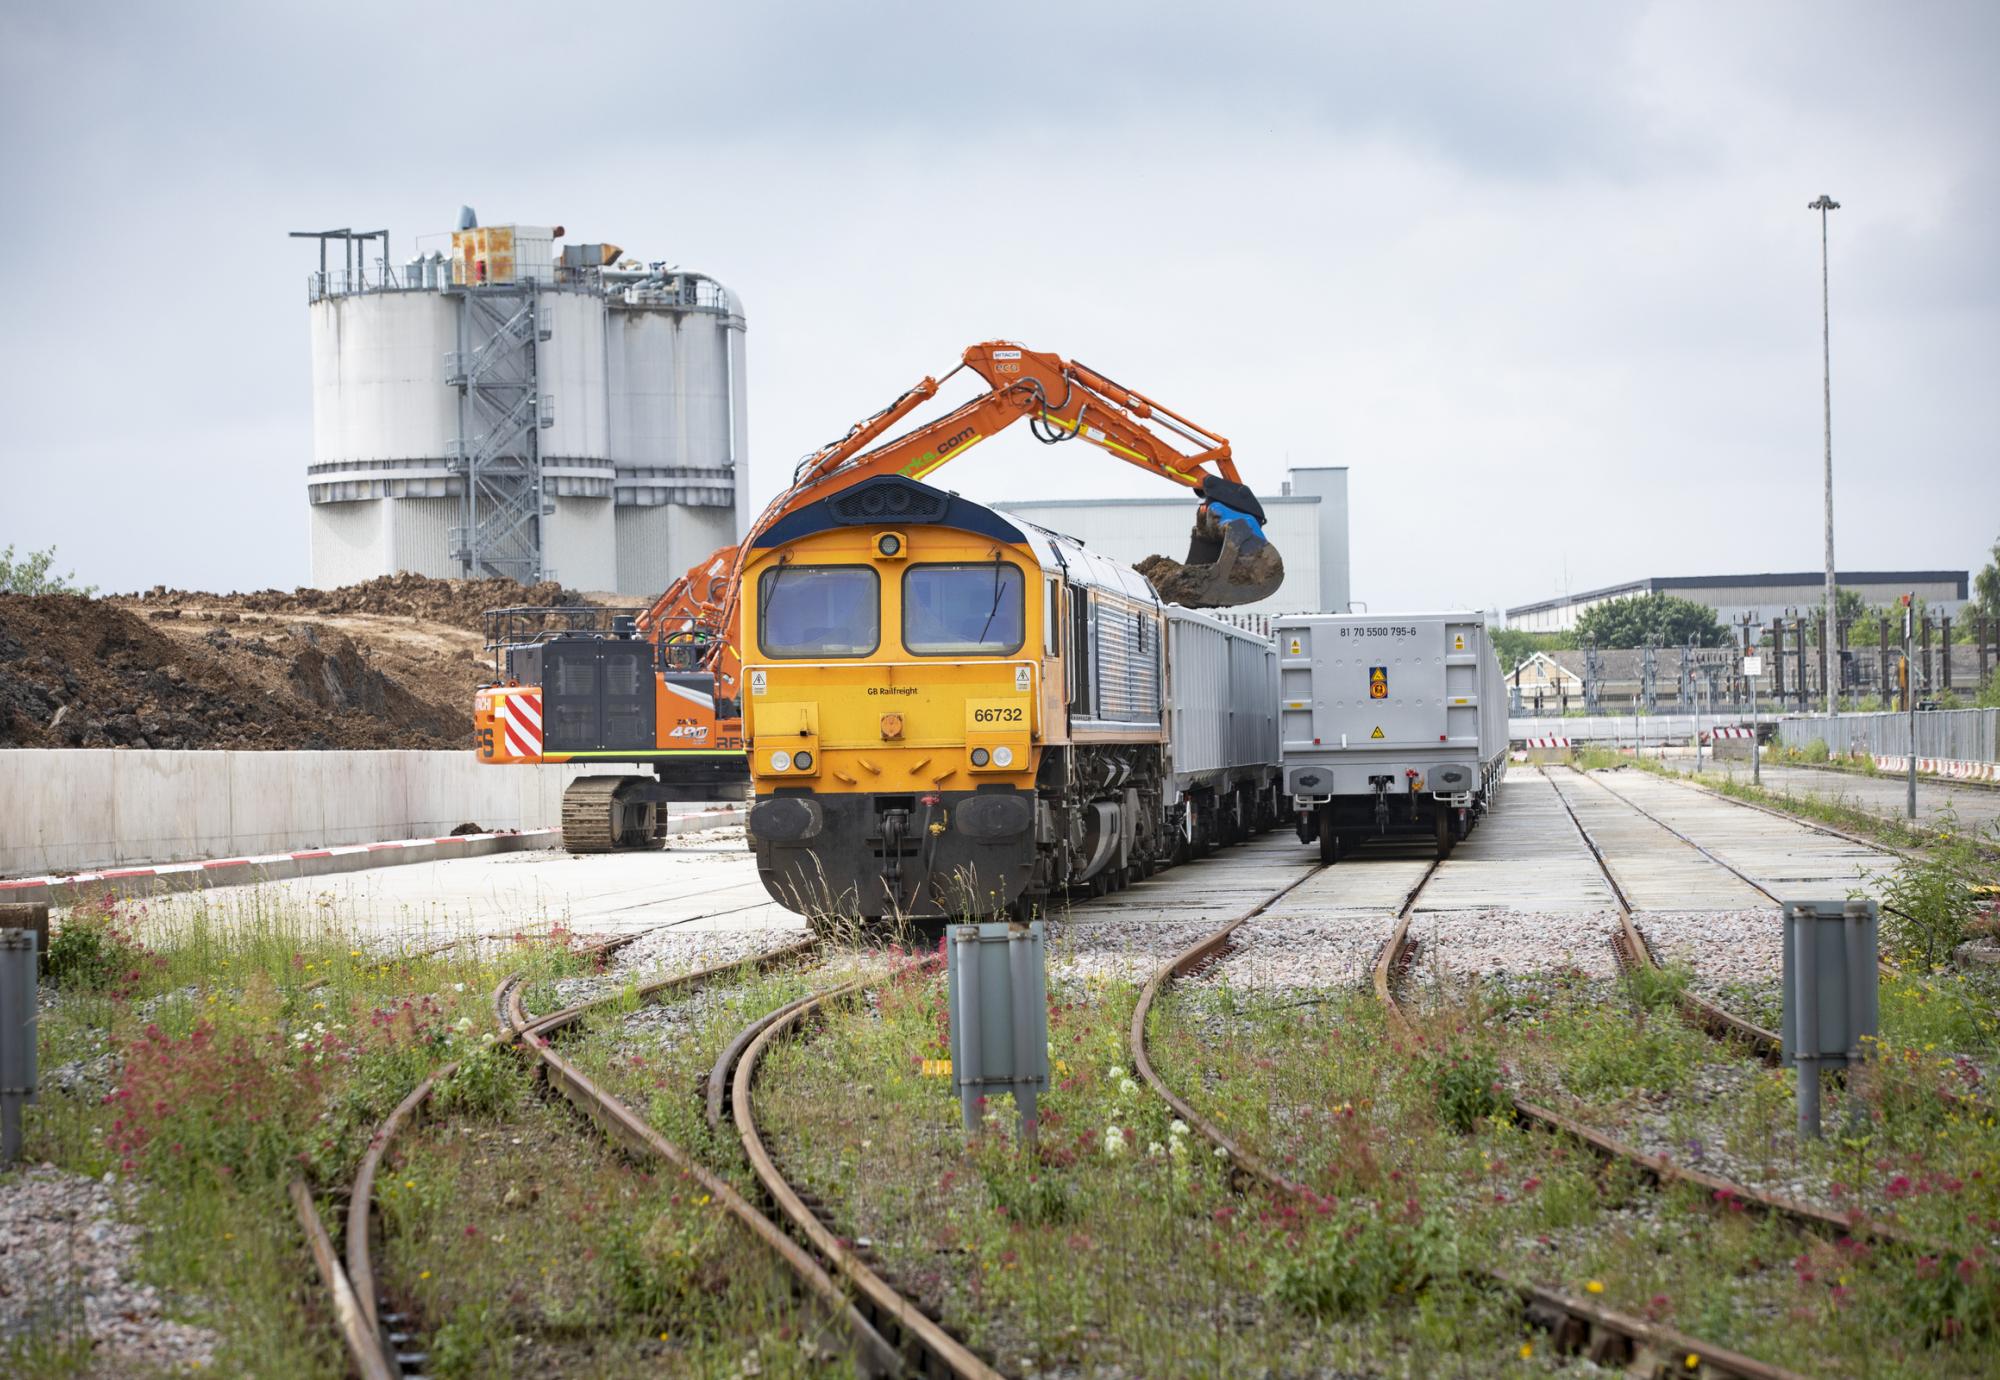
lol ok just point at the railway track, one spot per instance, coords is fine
(1606, 1335)
(1632, 952)
(380, 1342)
(918, 1338)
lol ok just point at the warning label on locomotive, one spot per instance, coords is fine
(758, 682)
(1024, 679)
(1378, 686)
(1377, 733)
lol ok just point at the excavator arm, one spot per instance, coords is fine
(1229, 561)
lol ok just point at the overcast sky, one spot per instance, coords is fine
(1541, 275)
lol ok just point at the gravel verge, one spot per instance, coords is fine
(66, 1263)
(1479, 943)
(1722, 947)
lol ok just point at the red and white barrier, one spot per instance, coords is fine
(1951, 768)
(1548, 743)
(1715, 733)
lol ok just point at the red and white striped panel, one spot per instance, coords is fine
(1548, 742)
(1953, 768)
(1731, 733)
(520, 716)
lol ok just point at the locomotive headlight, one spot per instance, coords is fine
(1003, 757)
(980, 757)
(802, 760)
(889, 544)
(781, 760)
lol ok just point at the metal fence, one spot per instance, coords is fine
(1965, 735)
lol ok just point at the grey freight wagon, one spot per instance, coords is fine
(1391, 725)
(1222, 743)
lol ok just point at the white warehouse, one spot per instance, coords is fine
(521, 408)
(1306, 520)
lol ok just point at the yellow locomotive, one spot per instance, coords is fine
(950, 713)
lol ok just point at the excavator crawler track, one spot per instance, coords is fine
(599, 815)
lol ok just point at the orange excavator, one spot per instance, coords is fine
(658, 687)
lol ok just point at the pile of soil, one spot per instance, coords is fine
(459, 603)
(392, 663)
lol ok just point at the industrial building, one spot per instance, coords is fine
(1760, 596)
(521, 408)
(1306, 520)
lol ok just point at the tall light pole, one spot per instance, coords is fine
(1823, 205)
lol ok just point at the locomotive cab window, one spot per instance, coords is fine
(819, 611)
(963, 608)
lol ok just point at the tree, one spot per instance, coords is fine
(1657, 619)
(1986, 589)
(1854, 611)
(1515, 645)
(30, 575)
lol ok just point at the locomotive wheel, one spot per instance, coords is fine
(1445, 836)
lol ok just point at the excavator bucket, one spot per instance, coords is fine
(1230, 561)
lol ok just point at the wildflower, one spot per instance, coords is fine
(1693, 1362)
(1116, 1072)
(458, 987)
(1177, 1148)
(1596, 1286)
(425, 1275)
(1114, 1142)
(464, 1026)
(1221, 1153)
(1127, 1088)
(1155, 1150)
(1527, 1350)
(1177, 1127)
(702, 1201)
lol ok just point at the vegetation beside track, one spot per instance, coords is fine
(205, 1056)
(1422, 1111)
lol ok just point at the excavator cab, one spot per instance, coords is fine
(1229, 562)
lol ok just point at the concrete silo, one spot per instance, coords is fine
(521, 409)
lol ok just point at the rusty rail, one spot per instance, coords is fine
(941, 1353)
(1605, 1335)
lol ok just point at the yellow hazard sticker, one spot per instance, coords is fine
(1378, 682)
(1295, 647)
(1458, 643)
(1377, 733)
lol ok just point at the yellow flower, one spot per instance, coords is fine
(663, 1336)
(1527, 1350)
(1596, 1286)
(425, 1275)
(354, 953)
(702, 1201)
(409, 1183)
(1693, 1361)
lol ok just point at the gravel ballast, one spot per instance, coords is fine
(66, 1267)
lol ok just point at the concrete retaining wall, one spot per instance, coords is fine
(66, 809)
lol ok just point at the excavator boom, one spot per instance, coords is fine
(1229, 562)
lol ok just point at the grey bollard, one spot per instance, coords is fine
(17, 1036)
(997, 986)
(1832, 994)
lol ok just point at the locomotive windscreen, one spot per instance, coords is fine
(963, 609)
(819, 611)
